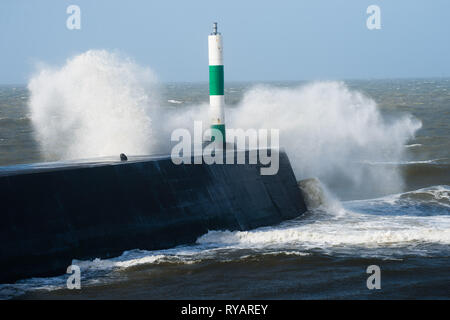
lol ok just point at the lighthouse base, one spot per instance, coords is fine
(221, 128)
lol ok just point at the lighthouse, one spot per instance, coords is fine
(216, 81)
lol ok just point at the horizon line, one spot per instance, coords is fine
(286, 80)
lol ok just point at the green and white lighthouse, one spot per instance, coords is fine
(216, 81)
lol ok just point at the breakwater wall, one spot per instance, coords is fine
(52, 214)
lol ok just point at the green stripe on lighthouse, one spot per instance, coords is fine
(216, 81)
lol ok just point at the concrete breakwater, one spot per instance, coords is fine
(52, 214)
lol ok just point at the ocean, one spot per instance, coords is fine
(376, 153)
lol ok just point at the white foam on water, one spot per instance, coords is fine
(326, 129)
(431, 161)
(97, 104)
(317, 196)
(102, 104)
(435, 195)
(413, 145)
(350, 225)
(174, 101)
(368, 231)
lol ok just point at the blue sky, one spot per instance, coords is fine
(263, 40)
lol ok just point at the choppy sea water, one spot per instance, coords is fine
(323, 254)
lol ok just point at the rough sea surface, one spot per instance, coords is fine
(321, 255)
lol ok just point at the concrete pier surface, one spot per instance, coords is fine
(53, 213)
